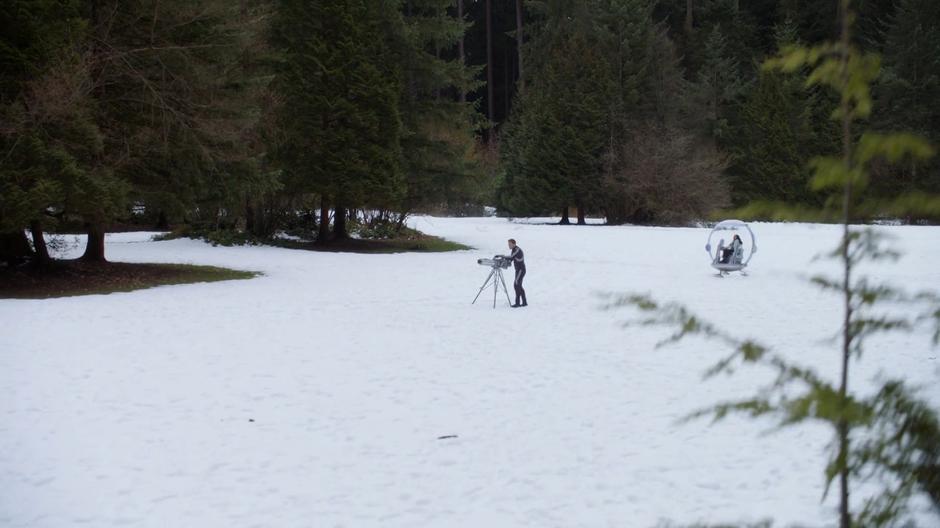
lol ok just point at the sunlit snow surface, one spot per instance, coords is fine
(316, 394)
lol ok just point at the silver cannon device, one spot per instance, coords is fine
(496, 264)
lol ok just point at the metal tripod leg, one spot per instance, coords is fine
(505, 289)
(485, 284)
(496, 285)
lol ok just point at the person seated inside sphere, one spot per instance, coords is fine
(728, 252)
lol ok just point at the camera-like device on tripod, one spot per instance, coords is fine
(498, 261)
(496, 264)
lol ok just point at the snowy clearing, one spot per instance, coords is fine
(316, 394)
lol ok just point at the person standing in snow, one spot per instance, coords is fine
(518, 262)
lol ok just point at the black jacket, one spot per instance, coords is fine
(518, 258)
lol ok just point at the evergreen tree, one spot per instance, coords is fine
(909, 91)
(739, 22)
(339, 85)
(553, 148)
(872, 23)
(49, 136)
(816, 20)
(717, 86)
(887, 438)
(656, 169)
(246, 184)
(438, 144)
(156, 83)
(627, 29)
(739, 27)
(664, 87)
(778, 126)
(128, 102)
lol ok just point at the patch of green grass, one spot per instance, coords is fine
(189, 273)
(407, 240)
(220, 237)
(427, 244)
(71, 278)
(422, 244)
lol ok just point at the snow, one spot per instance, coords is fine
(315, 395)
(281, 235)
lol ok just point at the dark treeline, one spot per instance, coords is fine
(659, 112)
(253, 116)
(325, 116)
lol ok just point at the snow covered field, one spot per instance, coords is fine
(316, 394)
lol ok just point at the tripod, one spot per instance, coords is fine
(496, 276)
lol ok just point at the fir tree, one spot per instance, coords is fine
(890, 436)
(627, 29)
(339, 86)
(778, 125)
(555, 143)
(909, 90)
(50, 138)
(155, 72)
(437, 140)
(717, 86)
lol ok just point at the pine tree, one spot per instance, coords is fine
(554, 144)
(888, 438)
(717, 86)
(339, 86)
(778, 125)
(655, 170)
(872, 22)
(438, 142)
(626, 30)
(155, 73)
(664, 88)
(909, 90)
(815, 20)
(739, 28)
(49, 136)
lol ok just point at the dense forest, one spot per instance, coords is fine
(334, 117)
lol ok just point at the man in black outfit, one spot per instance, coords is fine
(518, 262)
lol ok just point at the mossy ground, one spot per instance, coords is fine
(66, 278)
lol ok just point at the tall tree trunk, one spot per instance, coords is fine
(910, 218)
(507, 85)
(162, 221)
(460, 50)
(323, 232)
(339, 223)
(412, 86)
(437, 55)
(688, 17)
(581, 220)
(519, 43)
(564, 216)
(14, 247)
(490, 100)
(400, 224)
(250, 224)
(842, 428)
(94, 248)
(39, 244)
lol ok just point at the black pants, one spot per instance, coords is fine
(517, 285)
(726, 255)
